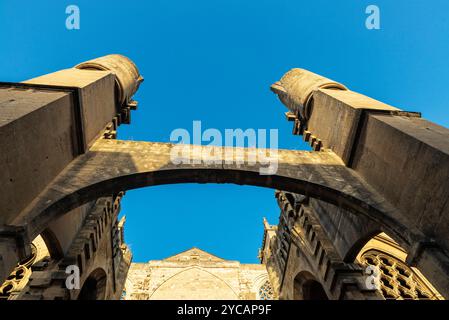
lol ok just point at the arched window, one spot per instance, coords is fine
(266, 291)
(306, 287)
(313, 290)
(94, 287)
(397, 280)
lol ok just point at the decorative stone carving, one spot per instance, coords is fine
(19, 277)
(398, 281)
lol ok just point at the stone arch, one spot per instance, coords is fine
(355, 249)
(52, 243)
(307, 287)
(94, 287)
(184, 278)
(112, 166)
(89, 193)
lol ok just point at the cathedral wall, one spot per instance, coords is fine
(196, 275)
(347, 231)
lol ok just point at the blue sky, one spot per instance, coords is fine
(214, 61)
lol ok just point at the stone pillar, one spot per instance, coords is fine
(402, 156)
(46, 123)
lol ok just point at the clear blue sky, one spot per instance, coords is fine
(214, 61)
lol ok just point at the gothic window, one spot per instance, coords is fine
(397, 280)
(266, 291)
(19, 276)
